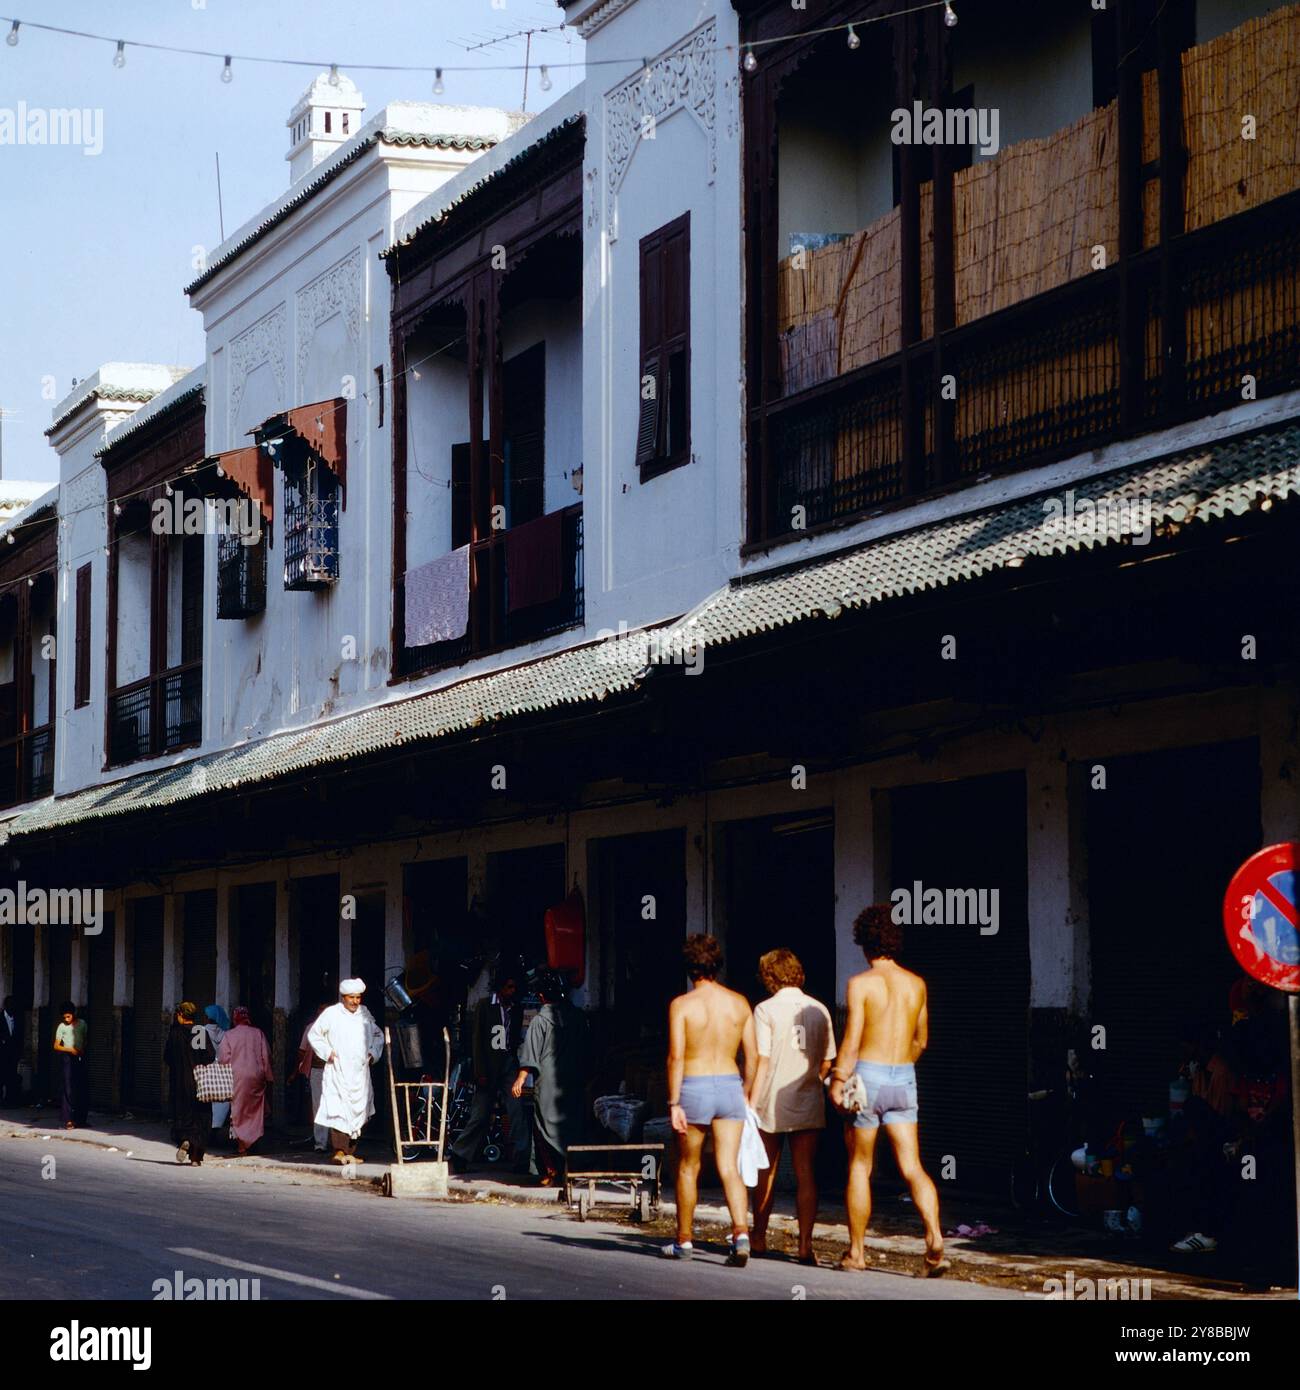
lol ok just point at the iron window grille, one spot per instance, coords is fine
(241, 575)
(311, 525)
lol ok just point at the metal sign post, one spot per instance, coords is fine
(1261, 916)
(1293, 1009)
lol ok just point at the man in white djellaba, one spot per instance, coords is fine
(348, 1040)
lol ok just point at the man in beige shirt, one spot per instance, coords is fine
(796, 1045)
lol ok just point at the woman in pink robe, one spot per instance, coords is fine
(244, 1049)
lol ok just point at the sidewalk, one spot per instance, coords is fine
(1014, 1254)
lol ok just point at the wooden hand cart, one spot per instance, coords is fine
(635, 1169)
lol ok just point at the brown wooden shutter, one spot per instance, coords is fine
(191, 598)
(81, 679)
(663, 420)
(460, 496)
(649, 379)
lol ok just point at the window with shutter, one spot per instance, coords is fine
(81, 690)
(192, 599)
(663, 415)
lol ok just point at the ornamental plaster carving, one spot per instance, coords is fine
(336, 291)
(85, 490)
(681, 79)
(262, 342)
(592, 197)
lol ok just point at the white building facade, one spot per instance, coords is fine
(563, 365)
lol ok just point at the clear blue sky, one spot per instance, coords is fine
(95, 250)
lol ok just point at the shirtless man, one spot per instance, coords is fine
(707, 1026)
(886, 1030)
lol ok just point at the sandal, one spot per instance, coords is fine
(935, 1268)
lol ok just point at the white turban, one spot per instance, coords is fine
(353, 986)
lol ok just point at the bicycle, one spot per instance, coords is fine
(1045, 1174)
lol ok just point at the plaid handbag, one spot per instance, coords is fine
(214, 1081)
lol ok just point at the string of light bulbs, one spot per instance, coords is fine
(749, 62)
(749, 56)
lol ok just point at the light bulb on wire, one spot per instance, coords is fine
(750, 63)
(226, 74)
(119, 58)
(334, 74)
(438, 87)
(854, 41)
(11, 38)
(117, 509)
(546, 84)
(949, 14)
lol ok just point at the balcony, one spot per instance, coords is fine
(1088, 298)
(156, 715)
(493, 626)
(27, 766)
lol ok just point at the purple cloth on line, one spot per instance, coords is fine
(437, 599)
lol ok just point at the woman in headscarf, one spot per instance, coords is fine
(244, 1049)
(555, 1051)
(218, 1025)
(188, 1046)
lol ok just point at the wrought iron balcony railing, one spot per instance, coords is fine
(156, 715)
(27, 766)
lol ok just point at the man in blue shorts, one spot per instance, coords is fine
(707, 1027)
(886, 1030)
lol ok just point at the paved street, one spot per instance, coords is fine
(108, 1226)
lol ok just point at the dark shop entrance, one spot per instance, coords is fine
(59, 967)
(1160, 961)
(640, 888)
(252, 947)
(779, 890)
(314, 933)
(521, 885)
(100, 1062)
(973, 1078)
(148, 1006)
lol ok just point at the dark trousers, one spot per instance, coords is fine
(342, 1143)
(9, 1077)
(74, 1104)
(465, 1149)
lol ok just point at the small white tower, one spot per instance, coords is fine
(326, 115)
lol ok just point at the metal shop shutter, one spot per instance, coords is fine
(99, 1013)
(199, 960)
(973, 1077)
(147, 1008)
